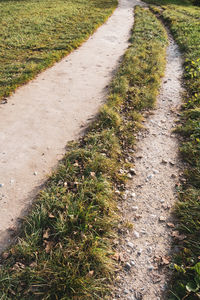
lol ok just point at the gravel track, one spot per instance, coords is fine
(151, 194)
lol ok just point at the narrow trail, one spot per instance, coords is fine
(150, 196)
(42, 116)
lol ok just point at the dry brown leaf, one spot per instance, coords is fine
(171, 225)
(5, 255)
(178, 236)
(18, 266)
(33, 264)
(49, 246)
(51, 216)
(165, 260)
(46, 234)
(90, 273)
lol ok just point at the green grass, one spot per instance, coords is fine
(36, 33)
(65, 247)
(184, 23)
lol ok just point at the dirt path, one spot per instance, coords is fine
(150, 196)
(43, 115)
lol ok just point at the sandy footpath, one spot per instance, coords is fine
(42, 116)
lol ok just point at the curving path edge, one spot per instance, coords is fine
(42, 116)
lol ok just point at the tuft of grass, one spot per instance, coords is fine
(65, 247)
(37, 33)
(183, 20)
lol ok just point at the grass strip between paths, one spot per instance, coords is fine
(65, 247)
(37, 33)
(183, 20)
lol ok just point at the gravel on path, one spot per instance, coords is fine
(42, 116)
(151, 194)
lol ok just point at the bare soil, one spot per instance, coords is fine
(42, 116)
(150, 196)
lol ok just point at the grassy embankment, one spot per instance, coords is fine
(36, 33)
(65, 247)
(183, 20)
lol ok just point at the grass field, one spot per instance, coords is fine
(36, 33)
(183, 20)
(65, 247)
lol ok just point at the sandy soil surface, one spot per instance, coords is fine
(151, 194)
(42, 116)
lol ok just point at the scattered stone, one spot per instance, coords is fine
(153, 216)
(134, 208)
(164, 162)
(162, 219)
(132, 263)
(127, 266)
(149, 249)
(1, 185)
(150, 268)
(139, 251)
(136, 234)
(129, 176)
(132, 171)
(172, 163)
(35, 173)
(12, 181)
(117, 192)
(173, 176)
(133, 195)
(126, 291)
(155, 171)
(150, 176)
(162, 200)
(129, 244)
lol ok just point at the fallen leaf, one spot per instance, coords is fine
(18, 266)
(49, 246)
(90, 273)
(46, 234)
(51, 216)
(178, 236)
(5, 255)
(165, 261)
(33, 264)
(171, 225)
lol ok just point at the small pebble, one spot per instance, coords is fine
(35, 173)
(130, 245)
(127, 266)
(132, 263)
(132, 171)
(129, 176)
(155, 171)
(162, 200)
(136, 234)
(134, 208)
(139, 251)
(133, 195)
(1, 185)
(126, 291)
(150, 176)
(150, 268)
